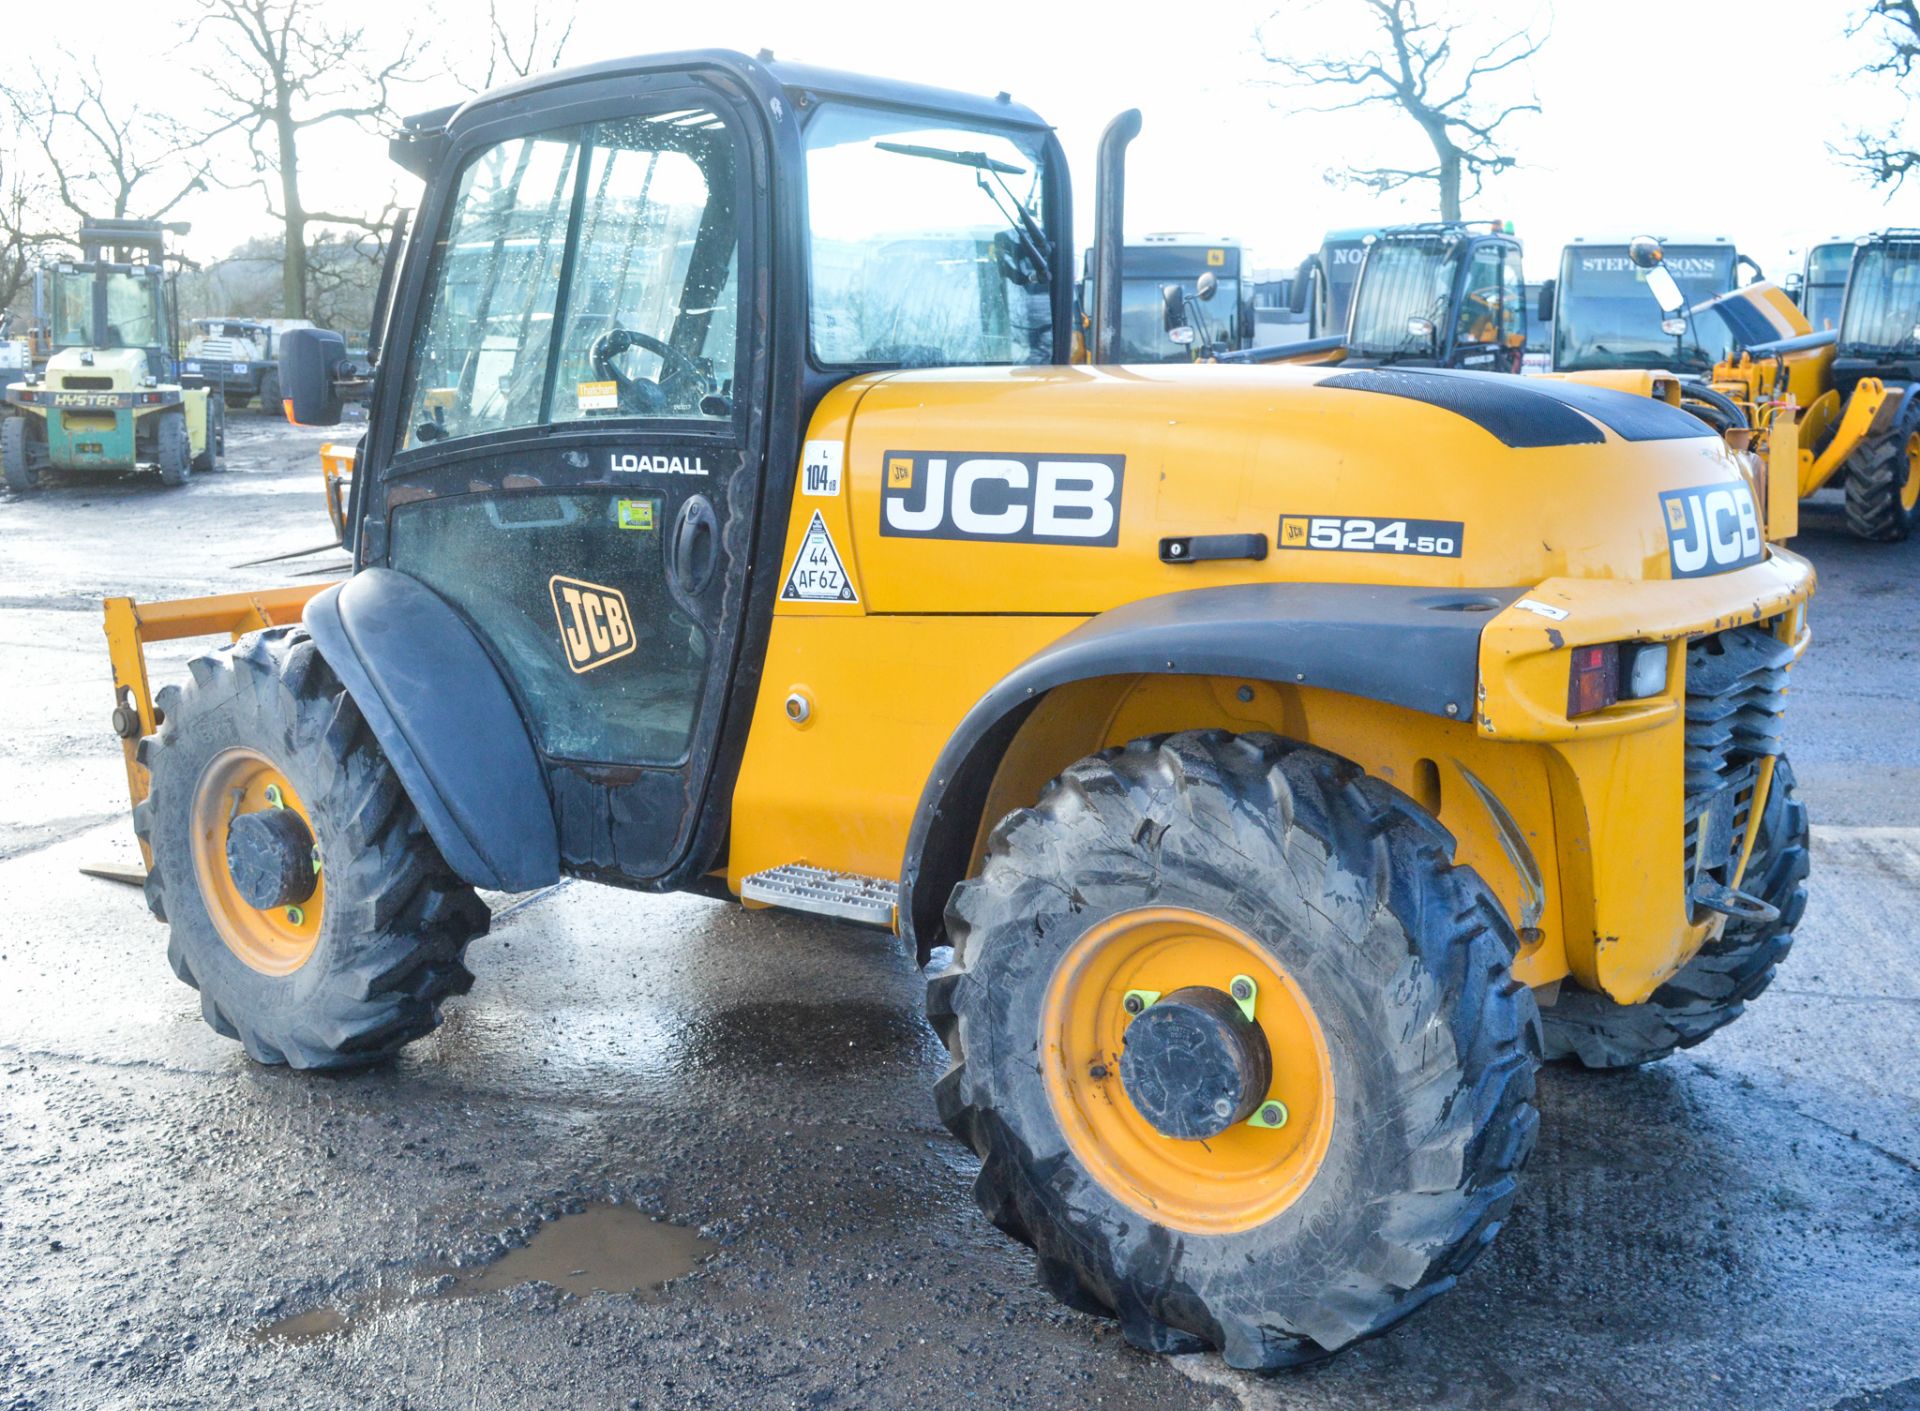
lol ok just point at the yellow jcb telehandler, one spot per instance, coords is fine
(1279, 761)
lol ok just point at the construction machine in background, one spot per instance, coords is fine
(1833, 407)
(1603, 319)
(109, 396)
(1442, 294)
(239, 358)
(1286, 758)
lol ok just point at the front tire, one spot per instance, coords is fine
(1407, 1118)
(270, 399)
(1710, 991)
(1883, 480)
(209, 459)
(16, 455)
(337, 976)
(176, 449)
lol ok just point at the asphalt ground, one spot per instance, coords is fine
(1736, 1227)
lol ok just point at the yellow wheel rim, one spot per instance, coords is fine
(1246, 1175)
(1910, 487)
(275, 940)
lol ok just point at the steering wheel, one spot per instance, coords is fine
(678, 372)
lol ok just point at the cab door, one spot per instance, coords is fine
(574, 454)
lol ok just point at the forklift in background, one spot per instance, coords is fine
(110, 397)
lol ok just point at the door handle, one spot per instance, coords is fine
(695, 547)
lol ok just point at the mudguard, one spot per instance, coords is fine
(435, 701)
(1418, 648)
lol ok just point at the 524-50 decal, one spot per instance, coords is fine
(1436, 538)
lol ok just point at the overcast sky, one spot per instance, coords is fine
(1672, 117)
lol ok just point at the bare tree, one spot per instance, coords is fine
(1888, 157)
(514, 51)
(282, 68)
(26, 231)
(1407, 62)
(105, 160)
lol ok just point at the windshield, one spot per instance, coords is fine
(1883, 298)
(952, 268)
(1143, 330)
(1605, 317)
(1404, 281)
(1825, 289)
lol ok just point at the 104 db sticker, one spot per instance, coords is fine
(1436, 538)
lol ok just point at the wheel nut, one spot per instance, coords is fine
(296, 915)
(1242, 991)
(1273, 1114)
(1097, 1072)
(1221, 1107)
(1132, 1004)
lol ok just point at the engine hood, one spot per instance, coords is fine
(126, 367)
(1057, 489)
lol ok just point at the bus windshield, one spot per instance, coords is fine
(1143, 334)
(1605, 317)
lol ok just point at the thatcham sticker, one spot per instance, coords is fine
(1002, 496)
(1712, 529)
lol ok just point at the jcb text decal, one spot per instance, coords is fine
(1438, 538)
(595, 627)
(1002, 496)
(1711, 529)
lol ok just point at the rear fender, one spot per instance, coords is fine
(1416, 648)
(436, 703)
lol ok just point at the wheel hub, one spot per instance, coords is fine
(270, 857)
(1194, 1064)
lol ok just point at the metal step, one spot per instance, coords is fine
(800, 886)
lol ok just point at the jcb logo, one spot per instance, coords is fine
(1712, 529)
(1002, 496)
(594, 626)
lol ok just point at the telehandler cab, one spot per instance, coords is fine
(1288, 756)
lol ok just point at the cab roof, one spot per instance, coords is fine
(765, 74)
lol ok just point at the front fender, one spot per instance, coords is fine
(1412, 647)
(435, 701)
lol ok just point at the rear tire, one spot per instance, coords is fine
(176, 449)
(1711, 990)
(1883, 479)
(393, 921)
(236, 401)
(1404, 961)
(270, 396)
(16, 455)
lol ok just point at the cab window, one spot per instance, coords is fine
(650, 271)
(927, 246)
(1480, 305)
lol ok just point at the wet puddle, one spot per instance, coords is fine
(602, 1249)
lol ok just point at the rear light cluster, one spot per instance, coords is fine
(1615, 671)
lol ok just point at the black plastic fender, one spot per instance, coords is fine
(1418, 648)
(436, 703)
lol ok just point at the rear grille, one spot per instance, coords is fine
(1736, 694)
(82, 382)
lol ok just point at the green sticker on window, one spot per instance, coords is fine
(637, 514)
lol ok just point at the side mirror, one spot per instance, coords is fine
(309, 359)
(1173, 313)
(1545, 309)
(1645, 252)
(1206, 286)
(1665, 290)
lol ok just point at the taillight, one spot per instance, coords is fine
(1594, 683)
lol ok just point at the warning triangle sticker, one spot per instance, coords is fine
(817, 575)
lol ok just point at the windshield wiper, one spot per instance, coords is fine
(1033, 240)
